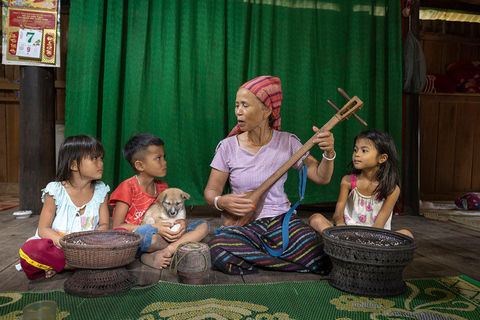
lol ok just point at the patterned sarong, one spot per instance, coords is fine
(240, 250)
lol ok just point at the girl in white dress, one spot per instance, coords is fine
(367, 196)
(76, 201)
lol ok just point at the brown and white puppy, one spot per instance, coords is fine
(170, 207)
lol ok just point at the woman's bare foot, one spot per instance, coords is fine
(158, 243)
(158, 260)
(50, 273)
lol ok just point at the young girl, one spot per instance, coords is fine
(368, 195)
(76, 201)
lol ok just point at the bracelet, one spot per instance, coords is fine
(215, 203)
(330, 159)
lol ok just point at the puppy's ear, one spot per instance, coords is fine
(162, 196)
(185, 196)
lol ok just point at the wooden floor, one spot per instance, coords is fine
(444, 249)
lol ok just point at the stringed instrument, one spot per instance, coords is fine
(258, 195)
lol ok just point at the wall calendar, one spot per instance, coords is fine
(30, 32)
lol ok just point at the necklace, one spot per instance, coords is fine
(154, 186)
(263, 143)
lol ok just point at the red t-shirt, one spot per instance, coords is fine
(130, 192)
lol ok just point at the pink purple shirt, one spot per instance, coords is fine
(363, 210)
(247, 171)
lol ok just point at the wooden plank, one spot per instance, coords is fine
(13, 280)
(441, 252)
(10, 99)
(11, 74)
(418, 224)
(60, 105)
(14, 229)
(217, 277)
(13, 143)
(446, 147)
(452, 97)
(469, 51)
(428, 118)
(435, 196)
(10, 86)
(476, 154)
(9, 188)
(3, 143)
(434, 62)
(410, 193)
(442, 49)
(441, 196)
(20, 230)
(15, 73)
(424, 267)
(465, 175)
(464, 145)
(144, 275)
(442, 37)
(449, 249)
(167, 275)
(450, 54)
(450, 245)
(12, 127)
(55, 283)
(60, 84)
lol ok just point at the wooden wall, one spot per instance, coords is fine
(449, 133)
(9, 106)
(441, 50)
(463, 29)
(462, 5)
(449, 145)
(9, 123)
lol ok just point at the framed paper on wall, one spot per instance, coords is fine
(31, 32)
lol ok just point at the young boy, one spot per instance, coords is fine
(146, 154)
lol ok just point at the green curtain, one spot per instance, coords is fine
(172, 68)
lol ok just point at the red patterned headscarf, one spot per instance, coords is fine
(269, 90)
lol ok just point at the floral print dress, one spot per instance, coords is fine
(361, 210)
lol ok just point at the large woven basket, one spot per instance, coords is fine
(89, 283)
(100, 249)
(368, 261)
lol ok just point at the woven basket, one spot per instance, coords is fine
(100, 249)
(368, 261)
(88, 283)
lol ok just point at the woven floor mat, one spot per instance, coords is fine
(439, 298)
(8, 201)
(450, 212)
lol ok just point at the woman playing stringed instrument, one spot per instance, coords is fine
(251, 153)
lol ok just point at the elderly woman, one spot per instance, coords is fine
(250, 154)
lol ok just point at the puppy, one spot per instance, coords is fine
(170, 207)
